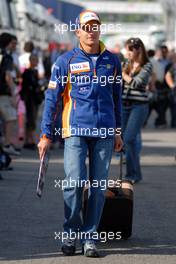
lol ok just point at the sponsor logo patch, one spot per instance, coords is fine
(108, 66)
(106, 58)
(80, 67)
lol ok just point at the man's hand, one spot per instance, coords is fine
(43, 145)
(126, 77)
(118, 144)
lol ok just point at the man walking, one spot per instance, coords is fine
(7, 92)
(88, 79)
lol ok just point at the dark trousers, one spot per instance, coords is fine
(161, 107)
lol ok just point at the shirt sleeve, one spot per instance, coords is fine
(142, 78)
(56, 87)
(7, 63)
(117, 94)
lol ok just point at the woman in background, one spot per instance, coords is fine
(136, 74)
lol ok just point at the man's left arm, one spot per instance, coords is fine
(117, 96)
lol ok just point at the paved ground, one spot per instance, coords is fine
(27, 223)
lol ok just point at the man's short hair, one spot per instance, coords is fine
(5, 39)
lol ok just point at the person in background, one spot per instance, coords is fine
(160, 64)
(136, 74)
(16, 74)
(24, 58)
(40, 67)
(117, 50)
(29, 93)
(29, 49)
(171, 82)
(7, 93)
(151, 86)
(47, 63)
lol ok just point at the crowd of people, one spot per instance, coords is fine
(24, 78)
(147, 82)
(161, 88)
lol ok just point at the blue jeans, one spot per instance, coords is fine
(75, 153)
(133, 119)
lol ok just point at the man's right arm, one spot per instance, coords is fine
(52, 96)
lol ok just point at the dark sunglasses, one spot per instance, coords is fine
(134, 43)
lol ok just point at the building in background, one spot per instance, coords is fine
(153, 21)
(9, 21)
(65, 11)
(142, 19)
(169, 7)
(29, 20)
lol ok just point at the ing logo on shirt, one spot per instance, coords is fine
(79, 67)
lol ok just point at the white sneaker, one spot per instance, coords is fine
(11, 150)
(89, 249)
